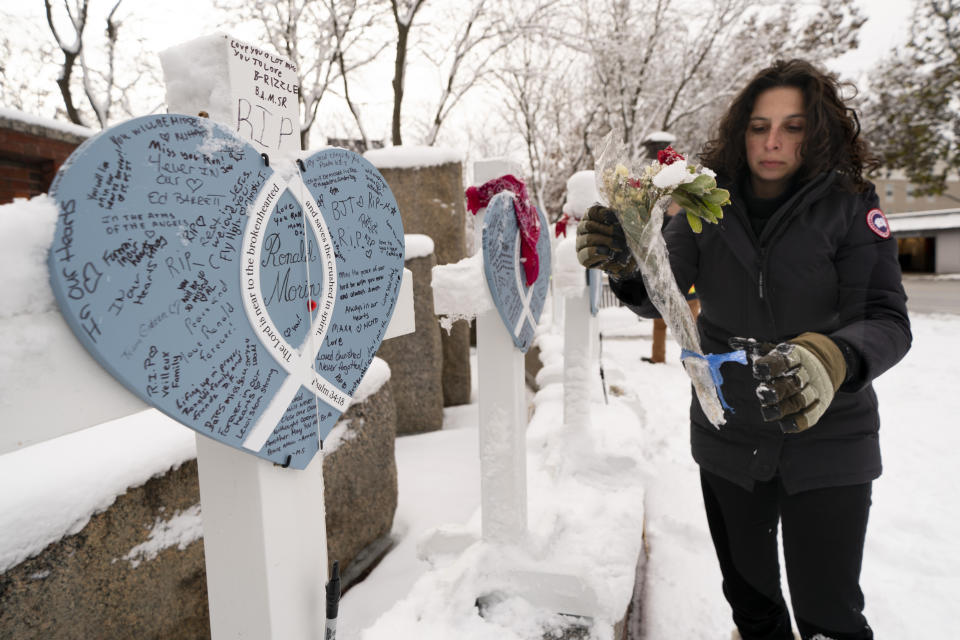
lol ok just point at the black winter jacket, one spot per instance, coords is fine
(817, 266)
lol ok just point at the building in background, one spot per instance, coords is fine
(927, 228)
(32, 150)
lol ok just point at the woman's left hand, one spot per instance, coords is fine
(798, 378)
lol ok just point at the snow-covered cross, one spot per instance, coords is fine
(264, 526)
(501, 313)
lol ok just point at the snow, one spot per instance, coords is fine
(911, 569)
(59, 125)
(377, 375)
(62, 482)
(660, 136)
(567, 272)
(65, 489)
(417, 245)
(581, 194)
(460, 291)
(181, 530)
(671, 175)
(566, 550)
(26, 231)
(412, 156)
(196, 73)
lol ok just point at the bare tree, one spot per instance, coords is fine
(25, 80)
(341, 30)
(623, 46)
(703, 45)
(647, 66)
(404, 11)
(71, 44)
(102, 100)
(100, 82)
(551, 111)
(529, 92)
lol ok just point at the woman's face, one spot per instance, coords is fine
(773, 139)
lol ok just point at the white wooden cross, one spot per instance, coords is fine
(502, 410)
(264, 526)
(503, 429)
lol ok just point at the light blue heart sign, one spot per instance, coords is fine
(243, 300)
(519, 305)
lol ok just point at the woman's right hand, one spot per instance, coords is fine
(601, 243)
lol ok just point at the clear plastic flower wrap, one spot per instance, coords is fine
(640, 194)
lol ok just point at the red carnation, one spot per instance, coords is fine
(668, 156)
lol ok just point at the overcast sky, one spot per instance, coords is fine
(886, 28)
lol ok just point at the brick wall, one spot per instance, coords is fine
(30, 155)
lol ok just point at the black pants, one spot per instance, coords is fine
(823, 536)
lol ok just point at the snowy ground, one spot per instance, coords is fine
(912, 567)
(911, 575)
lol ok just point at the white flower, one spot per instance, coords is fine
(673, 174)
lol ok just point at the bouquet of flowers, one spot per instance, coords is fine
(693, 187)
(641, 197)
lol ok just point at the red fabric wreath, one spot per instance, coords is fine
(668, 156)
(527, 218)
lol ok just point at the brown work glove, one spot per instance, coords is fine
(798, 378)
(602, 245)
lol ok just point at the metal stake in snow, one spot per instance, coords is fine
(264, 526)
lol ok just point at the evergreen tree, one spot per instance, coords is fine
(914, 109)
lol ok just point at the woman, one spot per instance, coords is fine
(803, 272)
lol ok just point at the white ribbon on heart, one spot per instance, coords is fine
(525, 293)
(298, 365)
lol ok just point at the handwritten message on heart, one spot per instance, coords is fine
(519, 305)
(245, 305)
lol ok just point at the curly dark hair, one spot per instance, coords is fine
(832, 134)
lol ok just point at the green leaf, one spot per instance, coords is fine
(694, 223)
(705, 182)
(718, 196)
(714, 209)
(685, 200)
(691, 188)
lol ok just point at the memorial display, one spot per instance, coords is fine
(518, 303)
(243, 300)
